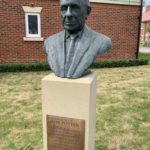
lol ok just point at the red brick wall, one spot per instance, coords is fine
(120, 22)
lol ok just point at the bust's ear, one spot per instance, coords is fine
(89, 10)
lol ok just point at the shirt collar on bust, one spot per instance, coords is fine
(79, 34)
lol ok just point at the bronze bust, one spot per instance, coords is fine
(72, 51)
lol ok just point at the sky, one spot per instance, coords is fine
(147, 2)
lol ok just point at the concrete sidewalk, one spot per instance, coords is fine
(145, 50)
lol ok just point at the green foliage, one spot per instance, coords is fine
(24, 67)
(119, 63)
(148, 27)
(45, 66)
(144, 56)
(143, 44)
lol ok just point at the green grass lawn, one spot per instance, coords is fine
(123, 109)
(144, 56)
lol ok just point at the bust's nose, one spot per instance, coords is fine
(68, 12)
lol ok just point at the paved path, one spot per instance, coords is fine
(145, 50)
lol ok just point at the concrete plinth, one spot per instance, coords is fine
(72, 98)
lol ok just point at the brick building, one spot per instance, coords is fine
(24, 24)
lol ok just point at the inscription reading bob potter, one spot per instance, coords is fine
(65, 123)
(65, 133)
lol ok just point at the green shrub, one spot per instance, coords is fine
(144, 56)
(143, 44)
(119, 63)
(45, 66)
(24, 67)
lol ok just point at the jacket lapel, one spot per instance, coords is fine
(83, 46)
(60, 52)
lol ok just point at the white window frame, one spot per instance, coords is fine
(27, 25)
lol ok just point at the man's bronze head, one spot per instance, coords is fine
(74, 13)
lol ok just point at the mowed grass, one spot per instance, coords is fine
(144, 56)
(123, 109)
(20, 111)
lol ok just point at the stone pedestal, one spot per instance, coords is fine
(70, 98)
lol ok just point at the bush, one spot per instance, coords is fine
(24, 67)
(144, 56)
(119, 63)
(45, 66)
(143, 44)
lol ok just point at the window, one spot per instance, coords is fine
(33, 25)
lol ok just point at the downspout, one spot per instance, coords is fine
(139, 29)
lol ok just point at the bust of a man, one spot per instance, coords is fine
(72, 51)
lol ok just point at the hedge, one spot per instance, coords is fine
(45, 66)
(119, 63)
(24, 67)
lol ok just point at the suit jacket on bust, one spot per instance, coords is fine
(90, 45)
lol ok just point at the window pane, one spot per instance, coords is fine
(33, 24)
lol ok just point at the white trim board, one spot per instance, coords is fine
(123, 2)
(28, 9)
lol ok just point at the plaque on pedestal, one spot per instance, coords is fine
(65, 133)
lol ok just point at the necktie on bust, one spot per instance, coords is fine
(70, 53)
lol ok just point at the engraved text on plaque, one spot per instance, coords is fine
(65, 133)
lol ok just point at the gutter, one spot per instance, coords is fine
(139, 29)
